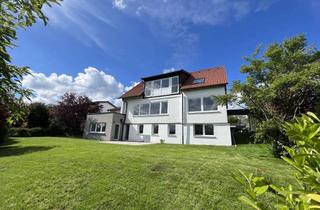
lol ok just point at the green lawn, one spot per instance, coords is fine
(65, 173)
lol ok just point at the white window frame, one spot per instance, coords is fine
(162, 90)
(160, 109)
(201, 104)
(203, 130)
(172, 85)
(101, 125)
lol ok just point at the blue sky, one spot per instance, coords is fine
(101, 47)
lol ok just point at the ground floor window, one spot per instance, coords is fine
(140, 129)
(155, 129)
(172, 129)
(98, 127)
(203, 130)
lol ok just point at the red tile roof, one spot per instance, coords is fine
(212, 77)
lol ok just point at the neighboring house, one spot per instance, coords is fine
(177, 107)
(104, 125)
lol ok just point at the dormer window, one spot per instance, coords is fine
(160, 87)
(198, 81)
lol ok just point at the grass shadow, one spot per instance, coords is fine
(8, 149)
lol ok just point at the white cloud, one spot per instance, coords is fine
(173, 19)
(76, 17)
(120, 4)
(95, 84)
(169, 70)
(132, 84)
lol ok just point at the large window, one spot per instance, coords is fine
(164, 107)
(203, 130)
(164, 86)
(98, 127)
(194, 104)
(154, 108)
(144, 109)
(209, 103)
(136, 109)
(172, 129)
(147, 89)
(202, 104)
(175, 85)
(155, 129)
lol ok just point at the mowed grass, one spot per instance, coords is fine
(66, 173)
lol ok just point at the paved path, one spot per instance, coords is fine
(127, 142)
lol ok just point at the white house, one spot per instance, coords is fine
(177, 107)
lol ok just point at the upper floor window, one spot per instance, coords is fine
(164, 86)
(202, 104)
(153, 108)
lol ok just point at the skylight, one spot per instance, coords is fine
(198, 81)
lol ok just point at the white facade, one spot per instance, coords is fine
(216, 130)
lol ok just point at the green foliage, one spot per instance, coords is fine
(4, 114)
(29, 132)
(71, 112)
(38, 115)
(305, 158)
(16, 14)
(281, 83)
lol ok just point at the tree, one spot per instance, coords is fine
(304, 157)
(281, 83)
(38, 115)
(16, 14)
(72, 111)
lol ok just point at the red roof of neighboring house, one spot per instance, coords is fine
(212, 77)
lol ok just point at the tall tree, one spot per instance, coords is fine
(38, 115)
(72, 111)
(16, 14)
(281, 83)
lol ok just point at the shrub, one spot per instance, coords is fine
(19, 132)
(304, 156)
(3, 133)
(162, 141)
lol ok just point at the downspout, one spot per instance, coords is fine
(124, 109)
(182, 123)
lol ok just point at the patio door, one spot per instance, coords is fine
(116, 132)
(127, 132)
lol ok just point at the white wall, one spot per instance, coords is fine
(222, 135)
(105, 106)
(217, 118)
(174, 110)
(148, 136)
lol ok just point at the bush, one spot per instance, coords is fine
(28, 132)
(304, 156)
(3, 133)
(56, 129)
(242, 135)
(20, 132)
